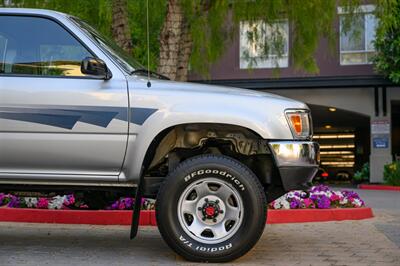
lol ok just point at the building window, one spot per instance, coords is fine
(264, 45)
(357, 42)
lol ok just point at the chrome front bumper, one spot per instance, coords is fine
(297, 162)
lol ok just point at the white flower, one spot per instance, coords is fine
(339, 194)
(285, 205)
(277, 205)
(281, 203)
(30, 202)
(57, 202)
(357, 203)
(344, 201)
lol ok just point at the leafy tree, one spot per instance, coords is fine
(387, 43)
(95, 12)
(195, 33)
(111, 18)
(138, 26)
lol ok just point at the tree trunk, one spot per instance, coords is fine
(120, 25)
(175, 44)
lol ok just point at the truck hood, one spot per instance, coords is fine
(212, 90)
(184, 103)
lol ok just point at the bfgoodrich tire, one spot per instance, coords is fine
(211, 209)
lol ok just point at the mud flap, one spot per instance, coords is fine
(136, 210)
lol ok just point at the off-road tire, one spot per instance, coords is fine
(229, 171)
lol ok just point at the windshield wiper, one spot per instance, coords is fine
(152, 73)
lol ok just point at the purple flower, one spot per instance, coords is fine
(323, 202)
(14, 202)
(320, 188)
(129, 203)
(294, 204)
(314, 197)
(115, 205)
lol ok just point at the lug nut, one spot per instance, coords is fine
(204, 218)
(214, 220)
(206, 199)
(217, 201)
(221, 211)
(199, 208)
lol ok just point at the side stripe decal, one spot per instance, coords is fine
(139, 115)
(67, 117)
(63, 121)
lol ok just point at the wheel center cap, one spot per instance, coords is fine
(210, 211)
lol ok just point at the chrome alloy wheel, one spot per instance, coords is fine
(210, 210)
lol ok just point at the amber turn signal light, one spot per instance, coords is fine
(296, 123)
(299, 122)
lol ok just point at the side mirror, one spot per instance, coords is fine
(95, 67)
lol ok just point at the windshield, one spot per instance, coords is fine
(122, 58)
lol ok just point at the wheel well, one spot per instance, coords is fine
(178, 143)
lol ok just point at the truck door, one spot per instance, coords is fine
(54, 120)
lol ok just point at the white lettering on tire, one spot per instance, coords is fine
(204, 248)
(216, 172)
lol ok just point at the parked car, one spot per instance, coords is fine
(344, 175)
(77, 113)
(321, 176)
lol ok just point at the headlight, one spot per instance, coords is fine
(299, 122)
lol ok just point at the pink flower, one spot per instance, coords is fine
(308, 203)
(121, 205)
(43, 203)
(70, 200)
(334, 197)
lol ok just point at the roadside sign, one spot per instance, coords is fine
(380, 126)
(381, 142)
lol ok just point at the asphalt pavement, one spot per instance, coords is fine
(367, 242)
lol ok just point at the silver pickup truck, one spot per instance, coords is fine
(78, 113)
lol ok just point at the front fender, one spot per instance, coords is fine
(268, 124)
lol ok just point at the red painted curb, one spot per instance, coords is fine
(101, 217)
(378, 187)
(318, 215)
(148, 217)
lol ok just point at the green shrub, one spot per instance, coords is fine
(391, 174)
(363, 174)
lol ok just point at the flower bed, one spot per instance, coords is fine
(318, 197)
(67, 202)
(319, 204)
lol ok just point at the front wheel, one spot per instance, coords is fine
(211, 209)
